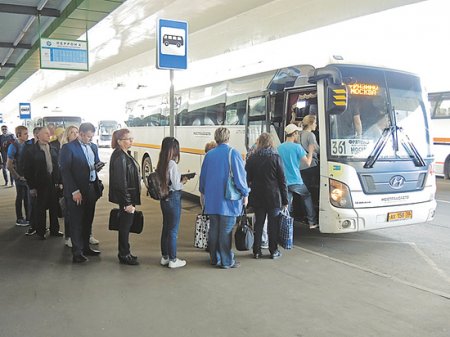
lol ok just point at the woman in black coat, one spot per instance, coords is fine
(124, 189)
(265, 176)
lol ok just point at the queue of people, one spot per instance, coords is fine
(70, 165)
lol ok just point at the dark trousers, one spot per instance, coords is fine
(33, 215)
(66, 219)
(5, 171)
(311, 178)
(125, 222)
(22, 197)
(273, 227)
(46, 199)
(81, 218)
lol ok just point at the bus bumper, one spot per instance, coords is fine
(354, 220)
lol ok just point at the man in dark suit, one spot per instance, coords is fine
(41, 172)
(78, 162)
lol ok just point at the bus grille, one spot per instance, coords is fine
(394, 182)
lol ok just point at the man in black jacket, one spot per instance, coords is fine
(42, 175)
(6, 139)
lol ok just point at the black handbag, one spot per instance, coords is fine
(136, 227)
(98, 187)
(243, 236)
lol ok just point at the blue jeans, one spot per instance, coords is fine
(273, 227)
(171, 210)
(219, 240)
(303, 192)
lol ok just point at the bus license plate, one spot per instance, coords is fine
(403, 215)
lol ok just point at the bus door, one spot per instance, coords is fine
(300, 103)
(257, 121)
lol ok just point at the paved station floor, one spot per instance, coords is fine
(300, 295)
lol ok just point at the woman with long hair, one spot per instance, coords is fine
(69, 134)
(265, 176)
(172, 183)
(124, 189)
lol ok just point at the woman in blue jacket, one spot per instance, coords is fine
(222, 212)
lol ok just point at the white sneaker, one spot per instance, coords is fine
(68, 242)
(265, 244)
(177, 263)
(164, 261)
(93, 241)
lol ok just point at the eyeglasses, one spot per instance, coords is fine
(130, 139)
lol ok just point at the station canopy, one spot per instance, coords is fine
(23, 21)
(128, 27)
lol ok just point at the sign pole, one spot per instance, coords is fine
(172, 108)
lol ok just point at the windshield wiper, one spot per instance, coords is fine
(411, 149)
(379, 146)
(407, 144)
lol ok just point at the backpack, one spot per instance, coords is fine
(18, 164)
(154, 187)
(7, 142)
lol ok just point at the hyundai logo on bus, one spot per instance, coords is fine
(397, 182)
(25, 110)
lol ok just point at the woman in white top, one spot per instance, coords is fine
(172, 182)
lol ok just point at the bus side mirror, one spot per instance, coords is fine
(336, 99)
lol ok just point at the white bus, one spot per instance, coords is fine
(104, 131)
(440, 124)
(57, 121)
(376, 161)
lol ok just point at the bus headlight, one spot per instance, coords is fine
(340, 194)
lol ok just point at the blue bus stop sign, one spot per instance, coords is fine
(25, 110)
(171, 44)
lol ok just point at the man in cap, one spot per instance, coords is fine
(292, 154)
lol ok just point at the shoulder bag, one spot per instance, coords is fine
(231, 192)
(243, 237)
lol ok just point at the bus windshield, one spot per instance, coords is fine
(107, 127)
(386, 115)
(61, 121)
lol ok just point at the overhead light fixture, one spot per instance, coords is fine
(119, 85)
(141, 86)
(338, 57)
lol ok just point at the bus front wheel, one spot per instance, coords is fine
(146, 169)
(447, 168)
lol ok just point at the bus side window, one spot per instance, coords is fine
(443, 110)
(235, 113)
